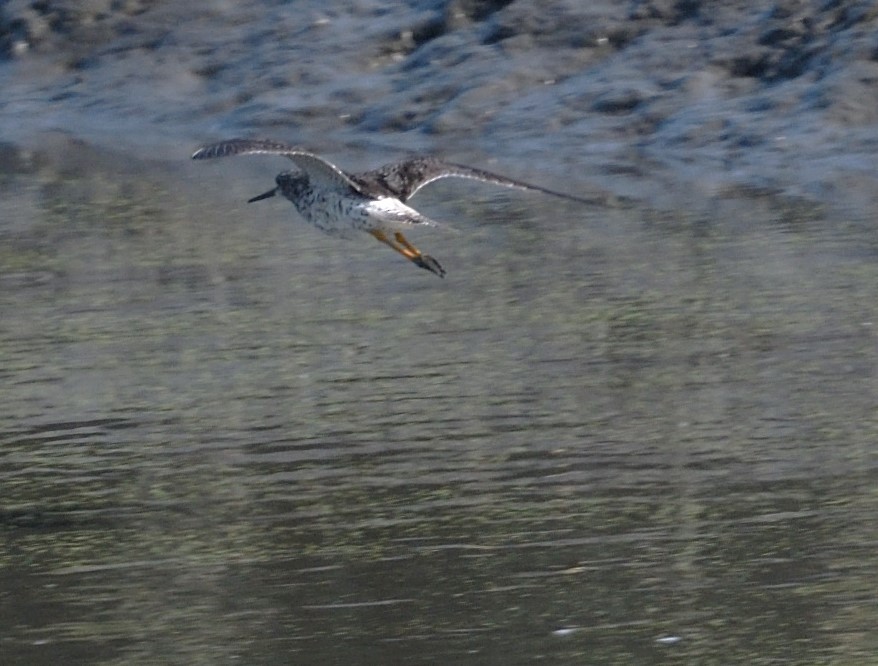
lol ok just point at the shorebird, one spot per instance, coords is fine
(339, 203)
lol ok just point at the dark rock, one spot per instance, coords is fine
(476, 10)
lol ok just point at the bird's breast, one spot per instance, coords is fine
(333, 213)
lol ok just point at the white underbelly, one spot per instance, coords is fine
(344, 217)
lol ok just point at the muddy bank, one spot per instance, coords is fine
(629, 95)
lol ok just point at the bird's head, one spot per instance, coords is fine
(292, 184)
(289, 183)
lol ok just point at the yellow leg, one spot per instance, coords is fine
(402, 240)
(410, 252)
(404, 250)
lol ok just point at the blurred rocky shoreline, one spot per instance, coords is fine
(712, 97)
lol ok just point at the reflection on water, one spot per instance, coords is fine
(624, 437)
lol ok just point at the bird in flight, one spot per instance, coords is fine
(339, 203)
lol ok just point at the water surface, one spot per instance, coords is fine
(607, 437)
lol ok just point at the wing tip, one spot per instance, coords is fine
(221, 149)
(211, 150)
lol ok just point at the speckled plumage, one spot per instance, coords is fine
(340, 203)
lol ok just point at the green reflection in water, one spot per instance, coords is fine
(226, 437)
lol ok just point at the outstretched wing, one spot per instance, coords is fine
(404, 179)
(322, 173)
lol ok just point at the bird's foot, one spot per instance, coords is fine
(427, 262)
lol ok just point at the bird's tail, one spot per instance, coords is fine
(430, 222)
(397, 215)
